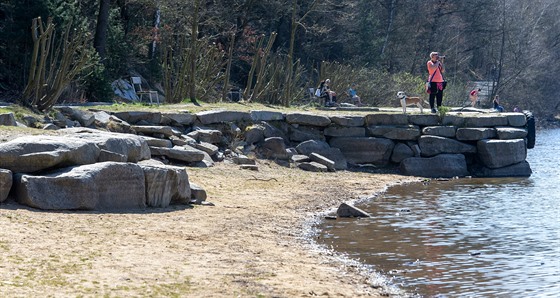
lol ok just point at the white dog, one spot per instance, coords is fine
(407, 101)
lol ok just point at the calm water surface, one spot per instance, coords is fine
(466, 237)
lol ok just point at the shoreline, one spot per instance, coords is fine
(251, 243)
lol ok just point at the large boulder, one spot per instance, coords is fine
(501, 153)
(348, 121)
(8, 119)
(400, 133)
(165, 184)
(365, 150)
(401, 152)
(522, 169)
(440, 166)
(258, 116)
(100, 186)
(134, 117)
(5, 184)
(134, 147)
(182, 153)
(336, 131)
(475, 133)
(211, 117)
(274, 148)
(184, 118)
(433, 145)
(308, 119)
(35, 153)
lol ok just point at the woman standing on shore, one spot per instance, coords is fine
(435, 79)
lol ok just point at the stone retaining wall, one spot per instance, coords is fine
(146, 152)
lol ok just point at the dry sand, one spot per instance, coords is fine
(250, 244)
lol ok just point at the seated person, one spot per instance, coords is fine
(354, 95)
(497, 105)
(327, 93)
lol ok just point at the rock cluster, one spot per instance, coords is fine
(103, 150)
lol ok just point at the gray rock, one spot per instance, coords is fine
(475, 133)
(501, 153)
(35, 153)
(297, 158)
(440, 166)
(313, 167)
(274, 148)
(308, 119)
(401, 152)
(206, 147)
(322, 160)
(386, 119)
(451, 119)
(210, 117)
(101, 118)
(212, 136)
(155, 142)
(254, 134)
(179, 153)
(50, 126)
(310, 146)
(85, 118)
(184, 118)
(510, 133)
(485, 120)
(516, 119)
(432, 145)
(167, 131)
(522, 169)
(8, 119)
(440, 131)
(99, 186)
(153, 118)
(258, 116)
(105, 155)
(305, 133)
(345, 210)
(335, 155)
(243, 160)
(334, 131)
(424, 119)
(6, 181)
(399, 133)
(134, 147)
(166, 185)
(348, 121)
(198, 194)
(365, 150)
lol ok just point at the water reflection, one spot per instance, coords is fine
(466, 237)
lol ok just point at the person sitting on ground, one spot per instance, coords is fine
(497, 105)
(354, 96)
(473, 96)
(326, 93)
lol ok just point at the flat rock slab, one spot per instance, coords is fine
(100, 186)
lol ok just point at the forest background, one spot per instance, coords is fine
(275, 50)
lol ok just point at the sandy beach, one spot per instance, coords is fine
(251, 243)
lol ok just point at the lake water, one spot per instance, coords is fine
(467, 237)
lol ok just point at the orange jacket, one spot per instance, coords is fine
(438, 77)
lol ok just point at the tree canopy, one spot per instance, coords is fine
(275, 50)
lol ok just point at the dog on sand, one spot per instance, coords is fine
(407, 101)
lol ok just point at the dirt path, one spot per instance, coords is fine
(249, 244)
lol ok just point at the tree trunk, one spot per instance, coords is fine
(194, 54)
(100, 39)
